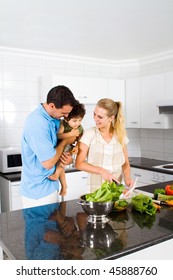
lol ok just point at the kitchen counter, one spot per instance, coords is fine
(37, 233)
(148, 163)
(16, 176)
(138, 162)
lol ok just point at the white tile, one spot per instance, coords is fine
(33, 73)
(168, 145)
(1, 119)
(1, 103)
(155, 144)
(144, 143)
(14, 119)
(1, 137)
(168, 133)
(13, 87)
(15, 104)
(144, 132)
(155, 133)
(12, 137)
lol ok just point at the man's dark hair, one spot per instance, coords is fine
(61, 96)
(78, 111)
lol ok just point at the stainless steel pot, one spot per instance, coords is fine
(97, 211)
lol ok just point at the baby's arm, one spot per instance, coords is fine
(65, 135)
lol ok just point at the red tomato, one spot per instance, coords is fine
(169, 190)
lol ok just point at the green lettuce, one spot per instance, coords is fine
(143, 204)
(107, 192)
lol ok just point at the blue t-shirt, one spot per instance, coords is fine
(39, 140)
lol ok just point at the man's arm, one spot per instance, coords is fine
(48, 164)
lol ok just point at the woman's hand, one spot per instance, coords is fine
(129, 182)
(107, 176)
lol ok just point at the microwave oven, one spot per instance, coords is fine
(10, 160)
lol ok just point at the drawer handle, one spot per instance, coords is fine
(137, 175)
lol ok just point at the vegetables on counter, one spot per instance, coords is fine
(120, 205)
(169, 190)
(157, 191)
(107, 192)
(143, 204)
(164, 197)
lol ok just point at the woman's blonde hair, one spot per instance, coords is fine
(114, 109)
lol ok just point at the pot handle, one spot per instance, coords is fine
(83, 202)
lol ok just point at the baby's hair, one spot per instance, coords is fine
(78, 111)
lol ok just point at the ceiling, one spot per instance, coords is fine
(103, 29)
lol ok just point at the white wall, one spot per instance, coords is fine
(20, 91)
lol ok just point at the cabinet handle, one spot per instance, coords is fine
(137, 175)
(134, 122)
(84, 177)
(157, 122)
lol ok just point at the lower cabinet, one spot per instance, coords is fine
(10, 195)
(76, 185)
(147, 177)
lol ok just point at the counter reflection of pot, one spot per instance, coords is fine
(98, 235)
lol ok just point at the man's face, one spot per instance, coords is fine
(60, 112)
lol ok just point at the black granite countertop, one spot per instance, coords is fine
(138, 162)
(148, 164)
(61, 231)
(16, 176)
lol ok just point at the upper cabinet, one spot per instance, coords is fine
(86, 90)
(169, 85)
(152, 89)
(132, 103)
(116, 91)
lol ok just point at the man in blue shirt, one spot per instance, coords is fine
(40, 152)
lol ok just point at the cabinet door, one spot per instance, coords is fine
(144, 176)
(168, 85)
(86, 90)
(15, 200)
(77, 185)
(152, 89)
(116, 90)
(132, 94)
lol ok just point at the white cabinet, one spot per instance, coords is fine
(152, 89)
(10, 195)
(85, 89)
(77, 185)
(132, 94)
(116, 90)
(147, 177)
(168, 85)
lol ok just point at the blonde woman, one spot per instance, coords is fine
(102, 149)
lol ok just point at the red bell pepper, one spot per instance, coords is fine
(169, 190)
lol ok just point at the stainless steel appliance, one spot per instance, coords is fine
(10, 160)
(168, 166)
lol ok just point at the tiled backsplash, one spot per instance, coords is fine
(20, 91)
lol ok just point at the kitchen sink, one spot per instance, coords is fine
(168, 166)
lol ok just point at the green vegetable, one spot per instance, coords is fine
(107, 192)
(143, 204)
(164, 197)
(157, 191)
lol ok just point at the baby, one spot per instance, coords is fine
(69, 127)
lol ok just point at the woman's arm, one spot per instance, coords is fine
(126, 168)
(81, 164)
